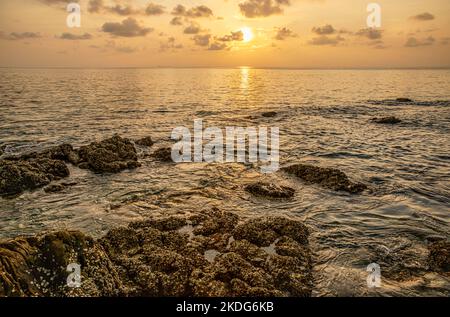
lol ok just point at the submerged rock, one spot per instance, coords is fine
(403, 100)
(163, 155)
(386, 120)
(330, 178)
(165, 257)
(147, 141)
(16, 176)
(270, 190)
(439, 258)
(109, 156)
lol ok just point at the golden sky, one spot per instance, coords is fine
(225, 33)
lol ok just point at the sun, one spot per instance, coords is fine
(248, 34)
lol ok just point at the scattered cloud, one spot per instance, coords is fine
(195, 12)
(423, 17)
(127, 28)
(414, 42)
(262, 8)
(370, 33)
(75, 37)
(202, 40)
(327, 40)
(193, 28)
(154, 9)
(170, 45)
(15, 36)
(284, 33)
(324, 30)
(217, 46)
(177, 21)
(234, 36)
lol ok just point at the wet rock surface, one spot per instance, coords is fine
(386, 120)
(109, 156)
(270, 190)
(163, 155)
(330, 178)
(147, 141)
(439, 258)
(17, 176)
(56, 188)
(165, 257)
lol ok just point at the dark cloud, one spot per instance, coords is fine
(193, 28)
(202, 40)
(195, 12)
(370, 33)
(154, 9)
(262, 8)
(74, 37)
(217, 46)
(177, 21)
(15, 36)
(423, 17)
(127, 28)
(327, 40)
(94, 6)
(414, 42)
(122, 10)
(234, 36)
(284, 33)
(324, 30)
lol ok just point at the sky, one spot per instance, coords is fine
(225, 33)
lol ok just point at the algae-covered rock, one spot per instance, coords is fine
(109, 156)
(439, 257)
(165, 257)
(330, 178)
(163, 155)
(16, 176)
(270, 190)
(386, 120)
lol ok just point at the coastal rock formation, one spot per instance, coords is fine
(439, 257)
(269, 114)
(147, 141)
(163, 155)
(330, 178)
(109, 156)
(16, 176)
(208, 254)
(386, 120)
(270, 190)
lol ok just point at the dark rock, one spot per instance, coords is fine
(386, 120)
(163, 155)
(165, 257)
(109, 156)
(56, 188)
(147, 141)
(329, 178)
(63, 152)
(403, 100)
(439, 257)
(18, 176)
(270, 190)
(269, 114)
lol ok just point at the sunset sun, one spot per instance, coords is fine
(248, 34)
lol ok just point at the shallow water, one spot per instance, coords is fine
(323, 118)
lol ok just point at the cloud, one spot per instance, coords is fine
(445, 41)
(234, 36)
(193, 28)
(262, 8)
(202, 40)
(326, 40)
(15, 36)
(75, 37)
(370, 33)
(176, 21)
(122, 10)
(324, 30)
(127, 28)
(414, 42)
(284, 33)
(217, 46)
(94, 6)
(423, 17)
(195, 12)
(154, 9)
(170, 44)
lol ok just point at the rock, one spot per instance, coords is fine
(16, 176)
(386, 120)
(329, 178)
(147, 141)
(439, 257)
(270, 190)
(269, 114)
(63, 152)
(403, 100)
(163, 155)
(109, 156)
(165, 257)
(56, 188)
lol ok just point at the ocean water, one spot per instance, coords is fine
(323, 117)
